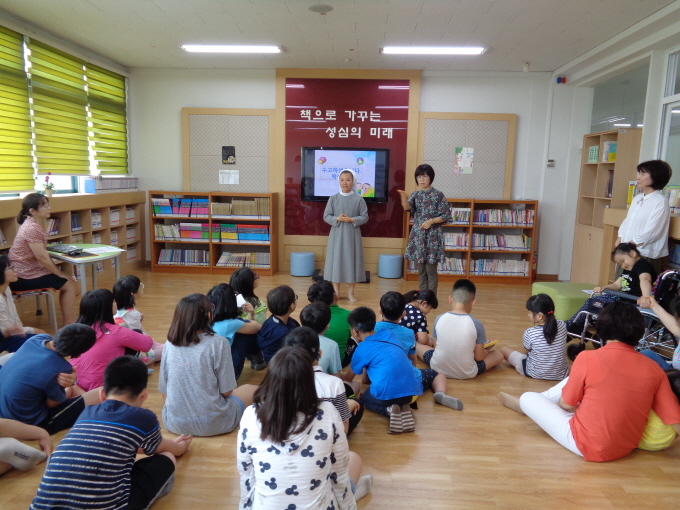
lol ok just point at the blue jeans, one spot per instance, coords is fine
(380, 406)
(658, 358)
(12, 343)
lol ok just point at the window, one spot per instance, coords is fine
(620, 101)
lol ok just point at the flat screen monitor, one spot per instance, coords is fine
(321, 167)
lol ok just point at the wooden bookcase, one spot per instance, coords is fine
(469, 252)
(68, 207)
(603, 185)
(210, 247)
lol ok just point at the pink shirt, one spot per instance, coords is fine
(21, 256)
(109, 345)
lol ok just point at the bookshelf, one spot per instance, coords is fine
(85, 219)
(489, 240)
(213, 233)
(609, 161)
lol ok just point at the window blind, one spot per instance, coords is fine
(16, 157)
(107, 108)
(59, 110)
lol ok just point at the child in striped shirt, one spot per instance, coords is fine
(542, 355)
(94, 465)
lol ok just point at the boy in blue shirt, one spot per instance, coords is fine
(30, 390)
(94, 465)
(281, 302)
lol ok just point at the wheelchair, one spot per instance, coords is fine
(656, 337)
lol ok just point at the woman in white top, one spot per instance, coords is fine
(10, 323)
(648, 218)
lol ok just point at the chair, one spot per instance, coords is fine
(49, 298)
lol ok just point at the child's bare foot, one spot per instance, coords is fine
(510, 402)
(352, 299)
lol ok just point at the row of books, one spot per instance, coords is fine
(131, 254)
(114, 217)
(129, 214)
(246, 207)
(505, 217)
(610, 184)
(131, 234)
(609, 152)
(182, 232)
(593, 153)
(75, 222)
(116, 184)
(498, 267)
(501, 242)
(172, 257)
(255, 259)
(672, 193)
(186, 207)
(78, 238)
(230, 233)
(53, 226)
(460, 215)
(96, 220)
(456, 241)
(451, 265)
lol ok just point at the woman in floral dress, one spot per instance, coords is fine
(429, 210)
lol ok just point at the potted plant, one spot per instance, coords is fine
(48, 186)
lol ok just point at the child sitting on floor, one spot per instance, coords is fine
(419, 304)
(94, 465)
(459, 351)
(96, 311)
(657, 435)
(244, 281)
(32, 381)
(338, 328)
(317, 317)
(126, 292)
(281, 302)
(16, 455)
(542, 356)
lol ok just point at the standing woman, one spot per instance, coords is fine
(345, 213)
(429, 209)
(646, 224)
(31, 261)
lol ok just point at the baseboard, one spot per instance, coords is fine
(546, 278)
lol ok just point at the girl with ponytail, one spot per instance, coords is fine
(542, 355)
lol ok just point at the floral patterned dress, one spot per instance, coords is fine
(427, 245)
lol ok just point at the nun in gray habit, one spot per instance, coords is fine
(345, 213)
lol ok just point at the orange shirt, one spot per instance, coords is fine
(615, 388)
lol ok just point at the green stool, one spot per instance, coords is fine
(568, 297)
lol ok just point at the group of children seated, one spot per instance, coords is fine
(92, 376)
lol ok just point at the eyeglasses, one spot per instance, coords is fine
(46, 205)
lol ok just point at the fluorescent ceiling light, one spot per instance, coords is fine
(432, 50)
(394, 87)
(295, 86)
(621, 125)
(222, 48)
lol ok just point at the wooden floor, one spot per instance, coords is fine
(483, 457)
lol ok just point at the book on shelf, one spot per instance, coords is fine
(451, 265)
(610, 184)
(53, 226)
(460, 215)
(75, 222)
(456, 241)
(609, 152)
(96, 238)
(504, 217)
(130, 234)
(593, 153)
(3, 239)
(114, 238)
(129, 214)
(633, 190)
(99, 267)
(499, 267)
(507, 242)
(132, 254)
(114, 217)
(257, 208)
(78, 238)
(175, 257)
(259, 260)
(96, 220)
(672, 193)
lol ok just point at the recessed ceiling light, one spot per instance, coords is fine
(221, 48)
(321, 8)
(621, 125)
(432, 50)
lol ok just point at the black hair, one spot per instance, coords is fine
(316, 316)
(96, 309)
(192, 315)
(243, 282)
(279, 299)
(306, 338)
(427, 295)
(287, 390)
(74, 340)
(125, 375)
(673, 375)
(464, 291)
(542, 303)
(223, 298)
(123, 291)
(392, 305)
(321, 291)
(30, 201)
(4, 264)
(658, 170)
(362, 319)
(625, 249)
(425, 169)
(620, 321)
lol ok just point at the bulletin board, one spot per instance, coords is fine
(205, 131)
(446, 139)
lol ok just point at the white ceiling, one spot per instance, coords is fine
(148, 33)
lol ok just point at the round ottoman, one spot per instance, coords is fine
(302, 263)
(390, 266)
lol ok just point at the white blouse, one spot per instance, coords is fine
(647, 223)
(8, 313)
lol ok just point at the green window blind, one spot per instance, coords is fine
(59, 111)
(106, 93)
(16, 158)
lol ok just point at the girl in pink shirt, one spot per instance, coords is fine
(96, 310)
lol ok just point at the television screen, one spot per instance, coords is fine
(321, 167)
